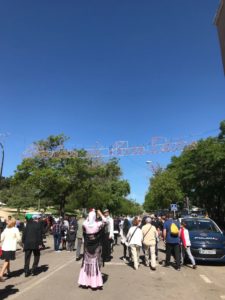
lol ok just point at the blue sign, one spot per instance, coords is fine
(173, 207)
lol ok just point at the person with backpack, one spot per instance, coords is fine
(171, 229)
(134, 241)
(186, 244)
(150, 235)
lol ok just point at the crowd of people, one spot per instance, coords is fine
(136, 234)
(93, 236)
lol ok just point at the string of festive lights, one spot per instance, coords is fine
(118, 149)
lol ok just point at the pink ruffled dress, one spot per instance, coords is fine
(90, 274)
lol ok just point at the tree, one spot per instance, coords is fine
(164, 189)
(72, 181)
(129, 207)
(200, 172)
(221, 135)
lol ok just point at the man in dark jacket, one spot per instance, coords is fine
(32, 241)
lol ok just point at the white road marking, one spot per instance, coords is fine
(115, 264)
(111, 264)
(205, 278)
(37, 282)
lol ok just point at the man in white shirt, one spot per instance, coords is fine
(109, 236)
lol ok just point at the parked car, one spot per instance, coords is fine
(207, 239)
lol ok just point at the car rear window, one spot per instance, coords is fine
(201, 225)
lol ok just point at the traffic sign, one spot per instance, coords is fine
(173, 207)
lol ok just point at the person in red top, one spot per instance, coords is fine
(186, 244)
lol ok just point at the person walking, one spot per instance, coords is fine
(9, 238)
(71, 238)
(186, 244)
(57, 228)
(171, 237)
(150, 236)
(2, 225)
(155, 221)
(64, 232)
(32, 241)
(90, 275)
(116, 231)
(134, 241)
(79, 237)
(123, 233)
(108, 236)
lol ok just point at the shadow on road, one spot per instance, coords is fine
(162, 250)
(41, 269)
(105, 277)
(8, 291)
(45, 248)
(17, 273)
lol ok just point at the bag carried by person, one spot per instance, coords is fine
(174, 230)
(0, 251)
(146, 234)
(128, 241)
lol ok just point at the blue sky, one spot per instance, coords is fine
(107, 71)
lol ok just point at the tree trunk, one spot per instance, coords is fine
(18, 211)
(62, 207)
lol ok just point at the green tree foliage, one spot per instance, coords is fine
(164, 189)
(5, 183)
(222, 131)
(129, 207)
(199, 173)
(54, 177)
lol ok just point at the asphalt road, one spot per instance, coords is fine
(59, 274)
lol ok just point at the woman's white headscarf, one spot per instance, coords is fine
(90, 221)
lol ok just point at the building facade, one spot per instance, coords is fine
(220, 23)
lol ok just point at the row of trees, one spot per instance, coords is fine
(198, 173)
(66, 181)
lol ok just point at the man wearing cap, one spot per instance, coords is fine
(108, 237)
(32, 241)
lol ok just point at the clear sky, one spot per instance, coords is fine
(107, 71)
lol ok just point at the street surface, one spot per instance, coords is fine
(59, 274)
